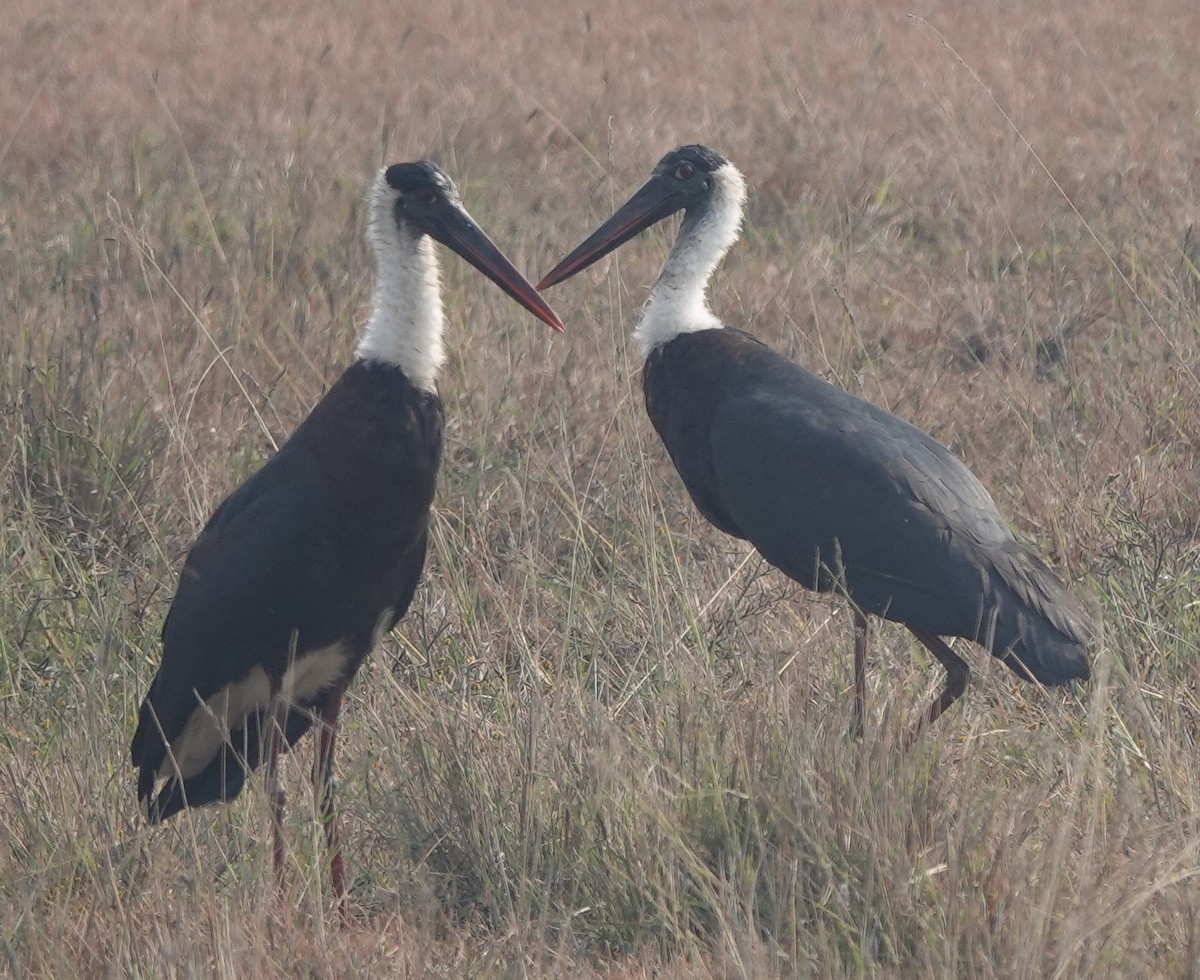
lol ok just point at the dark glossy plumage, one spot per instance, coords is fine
(303, 567)
(837, 493)
(324, 540)
(840, 494)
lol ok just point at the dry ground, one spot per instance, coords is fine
(608, 741)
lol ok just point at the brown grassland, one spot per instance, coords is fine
(607, 740)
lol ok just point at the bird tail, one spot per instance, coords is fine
(221, 780)
(1037, 626)
(224, 776)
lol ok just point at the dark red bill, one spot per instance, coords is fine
(457, 230)
(658, 198)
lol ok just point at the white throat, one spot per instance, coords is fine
(405, 329)
(679, 300)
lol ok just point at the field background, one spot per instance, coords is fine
(608, 741)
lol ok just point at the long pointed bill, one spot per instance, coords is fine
(457, 230)
(655, 200)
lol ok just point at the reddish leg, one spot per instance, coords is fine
(324, 785)
(957, 673)
(861, 626)
(276, 793)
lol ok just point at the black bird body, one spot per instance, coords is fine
(842, 495)
(835, 492)
(304, 566)
(308, 562)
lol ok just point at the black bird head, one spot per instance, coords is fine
(685, 179)
(427, 202)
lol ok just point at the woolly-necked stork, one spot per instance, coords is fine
(303, 567)
(835, 492)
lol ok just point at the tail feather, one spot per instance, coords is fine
(224, 776)
(1038, 628)
(221, 780)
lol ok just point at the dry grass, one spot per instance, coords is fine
(605, 742)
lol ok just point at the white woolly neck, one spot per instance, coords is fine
(679, 302)
(405, 329)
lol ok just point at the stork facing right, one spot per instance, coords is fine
(302, 569)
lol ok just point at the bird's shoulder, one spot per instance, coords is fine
(366, 456)
(374, 404)
(770, 419)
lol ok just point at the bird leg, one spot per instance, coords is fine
(957, 673)
(324, 785)
(861, 626)
(276, 792)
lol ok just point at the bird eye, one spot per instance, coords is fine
(684, 171)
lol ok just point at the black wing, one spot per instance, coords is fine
(262, 568)
(831, 489)
(854, 497)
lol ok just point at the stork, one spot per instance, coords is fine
(301, 570)
(837, 493)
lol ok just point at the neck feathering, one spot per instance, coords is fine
(679, 302)
(405, 329)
